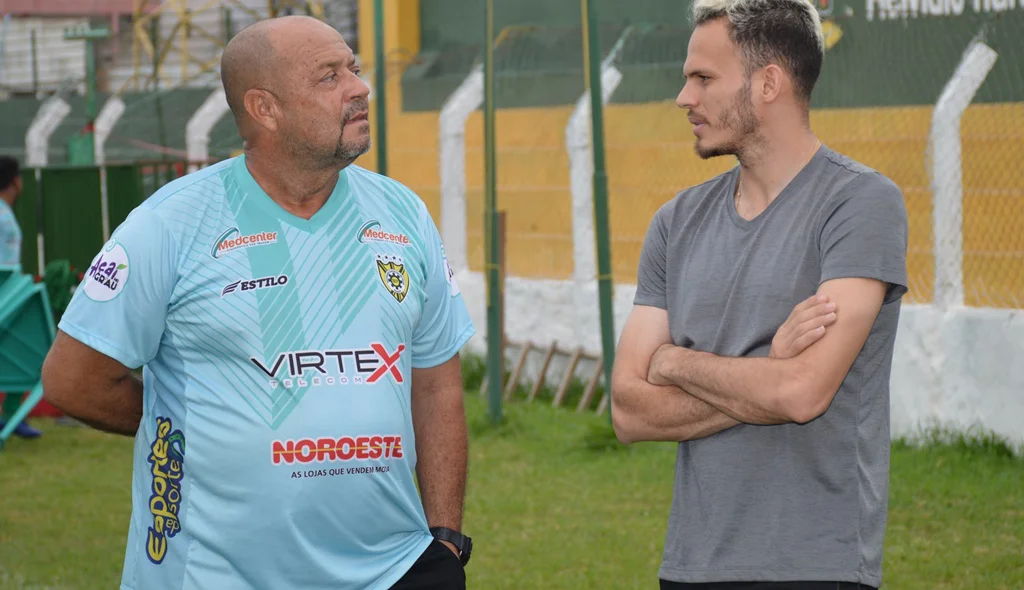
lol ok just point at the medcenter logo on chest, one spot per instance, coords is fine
(372, 232)
(315, 368)
(232, 240)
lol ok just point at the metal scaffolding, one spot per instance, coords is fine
(153, 45)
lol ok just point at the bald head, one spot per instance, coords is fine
(294, 88)
(260, 54)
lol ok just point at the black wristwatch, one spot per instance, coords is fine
(463, 543)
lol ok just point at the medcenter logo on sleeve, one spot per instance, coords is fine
(167, 458)
(231, 240)
(316, 368)
(108, 274)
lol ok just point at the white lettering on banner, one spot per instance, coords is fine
(912, 9)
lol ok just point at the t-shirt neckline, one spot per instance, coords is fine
(259, 198)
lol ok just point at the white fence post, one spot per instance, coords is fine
(947, 171)
(37, 138)
(456, 110)
(37, 152)
(105, 121)
(197, 131)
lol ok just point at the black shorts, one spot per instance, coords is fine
(765, 586)
(436, 569)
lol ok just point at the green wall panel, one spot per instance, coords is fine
(879, 59)
(460, 22)
(72, 216)
(124, 192)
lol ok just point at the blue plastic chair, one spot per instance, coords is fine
(26, 334)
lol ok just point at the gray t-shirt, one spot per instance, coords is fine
(785, 502)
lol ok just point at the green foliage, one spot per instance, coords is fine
(972, 441)
(60, 279)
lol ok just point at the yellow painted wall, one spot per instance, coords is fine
(650, 158)
(413, 151)
(993, 149)
(533, 190)
(401, 30)
(412, 137)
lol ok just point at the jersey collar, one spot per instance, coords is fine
(259, 198)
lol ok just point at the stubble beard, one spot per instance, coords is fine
(742, 121)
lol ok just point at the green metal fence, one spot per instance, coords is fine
(72, 222)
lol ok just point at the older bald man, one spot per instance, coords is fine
(299, 330)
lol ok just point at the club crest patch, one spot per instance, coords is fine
(393, 275)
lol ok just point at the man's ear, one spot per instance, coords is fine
(262, 107)
(772, 79)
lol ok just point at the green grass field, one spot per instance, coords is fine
(546, 510)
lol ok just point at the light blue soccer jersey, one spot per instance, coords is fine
(10, 236)
(276, 448)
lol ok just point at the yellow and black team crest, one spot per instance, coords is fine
(393, 275)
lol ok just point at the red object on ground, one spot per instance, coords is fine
(42, 410)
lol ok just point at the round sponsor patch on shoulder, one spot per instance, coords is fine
(108, 274)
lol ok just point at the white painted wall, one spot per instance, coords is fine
(960, 368)
(963, 367)
(208, 16)
(59, 62)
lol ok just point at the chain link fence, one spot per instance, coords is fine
(881, 116)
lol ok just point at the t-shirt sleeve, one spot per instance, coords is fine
(120, 308)
(10, 237)
(865, 233)
(650, 282)
(445, 325)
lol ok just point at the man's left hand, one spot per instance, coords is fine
(659, 363)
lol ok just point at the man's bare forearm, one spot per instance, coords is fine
(92, 387)
(116, 409)
(441, 449)
(752, 390)
(645, 412)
